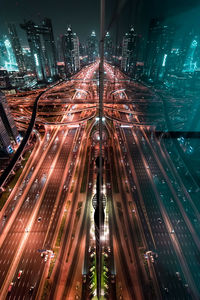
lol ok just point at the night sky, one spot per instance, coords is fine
(84, 15)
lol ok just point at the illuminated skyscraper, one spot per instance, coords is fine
(59, 47)
(4, 138)
(37, 55)
(30, 66)
(42, 47)
(7, 57)
(8, 129)
(192, 59)
(92, 47)
(16, 47)
(108, 47)
(49, 47)
(3, 54)
(129, 51)
(70, 43)
(76, 53)
(159, 44)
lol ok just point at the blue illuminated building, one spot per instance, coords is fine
(16, 47)
(42, 47)
(191, 63)
(159, 45)
(7, 57)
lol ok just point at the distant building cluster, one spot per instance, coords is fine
(157, 57)
(162, 56)
(43, 59)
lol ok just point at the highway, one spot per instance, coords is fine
(151, 231)
(162, 214)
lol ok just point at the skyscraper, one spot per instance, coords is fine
(8, 129)
(4, 138)
(159, 44)
(3, 54)
(70, 44)
(29, 62)
(108, 47)
(42, 47)
(49, 45)
(192, 57)
(7, 57)
(92, 47)
(83, 53)
(59, 48)
(129, 51)
(185, 42)
(16, 47)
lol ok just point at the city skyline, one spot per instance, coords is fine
(99, 150)
(186, 14)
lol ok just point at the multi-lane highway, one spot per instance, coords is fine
(151, 232)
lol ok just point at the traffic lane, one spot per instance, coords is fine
(65, 241)
(21, 188)
(58, 267)
(187, 208)
(157, 216)
(131, 243)
(149, 199)
(65, 189)
(112, 259)
(184, 187)
(11, 206)
(180, 228)
(29, 276)
(81, 232)
(156, 235)
(37, 245)
(45, 214)
(17, 229)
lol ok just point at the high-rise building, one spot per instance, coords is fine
(185, 41)
(59, 47)
(159, 45)
(7, 57)
(76, 54)
(37, 55)
(192, 63)
(3, 54)
(70, 44)
(129, 51)
(42, 47)
(173, 65)
(49, 47)
(108, 47)
(83, 49)
(30, 66)
(8, 130)
(4, 139)
(92, 47)
(83, 54)
(16, 47)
